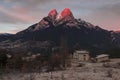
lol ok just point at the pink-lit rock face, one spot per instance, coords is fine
(52, 14)
(65, 14)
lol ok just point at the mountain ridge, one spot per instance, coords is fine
(78, 33)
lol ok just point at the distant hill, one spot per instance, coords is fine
(5, 36)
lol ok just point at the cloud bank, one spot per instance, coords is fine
(23, 12)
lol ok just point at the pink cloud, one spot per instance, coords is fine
(7, 1)
(14, 31)
(20, 9)
(18, 13)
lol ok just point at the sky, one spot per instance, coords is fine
(17, 15)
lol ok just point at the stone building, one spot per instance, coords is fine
(102, 58)
(81, 55)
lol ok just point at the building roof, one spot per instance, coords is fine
(102, 55)
(82, 52)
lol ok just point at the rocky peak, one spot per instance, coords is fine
(52, 14)
(57, 19)
(65, 14)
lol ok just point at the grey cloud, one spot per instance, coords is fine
(107, 16)
(114, 8)
(4, 18)
(109, 11)
(93, 10)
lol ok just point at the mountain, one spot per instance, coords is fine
(52, 29)
(66, 14)
(115, 37)
(5, 36)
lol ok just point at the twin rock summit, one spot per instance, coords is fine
(54, 19)
(78, 34)
(65, 14)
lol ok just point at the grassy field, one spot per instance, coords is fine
(90, 71)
